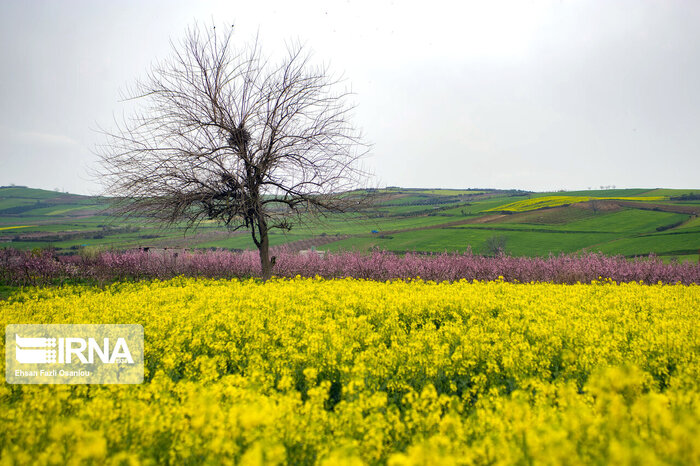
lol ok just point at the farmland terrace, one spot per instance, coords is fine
(629, 222)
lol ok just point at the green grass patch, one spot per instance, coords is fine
(682, 258)
(626, 221)
(671, 243)
(10, 203)
(670, 192)
(351, 225)
(30, 193)
(692, 224)
(519, 243)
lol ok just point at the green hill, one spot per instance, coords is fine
(631, 222)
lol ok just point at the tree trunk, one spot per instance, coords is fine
(265, 263)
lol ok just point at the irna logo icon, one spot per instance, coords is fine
(35, 350)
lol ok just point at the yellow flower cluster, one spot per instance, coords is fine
(13, 227)
(556, 201)
(312, 371)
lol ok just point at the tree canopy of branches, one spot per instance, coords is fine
(224, 133)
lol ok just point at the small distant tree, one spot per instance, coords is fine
(495, 245)
(225, 133)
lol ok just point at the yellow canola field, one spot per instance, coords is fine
(556, 201)
(312, 371)
(17, 226)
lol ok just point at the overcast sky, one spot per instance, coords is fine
(530, 95)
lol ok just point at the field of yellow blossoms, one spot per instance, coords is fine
(313, 371)
(556, 201)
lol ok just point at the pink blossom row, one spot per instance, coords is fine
(41, 267)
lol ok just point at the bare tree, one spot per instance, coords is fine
(224, 133)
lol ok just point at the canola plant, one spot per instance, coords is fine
(347, 371)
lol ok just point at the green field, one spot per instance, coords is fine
(630, 222)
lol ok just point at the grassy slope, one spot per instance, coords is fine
(670, 192)
(405, 219)
(525, 243)
(626, 221)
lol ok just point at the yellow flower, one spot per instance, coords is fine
(315, 371)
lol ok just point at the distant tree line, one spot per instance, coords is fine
(686, 197)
